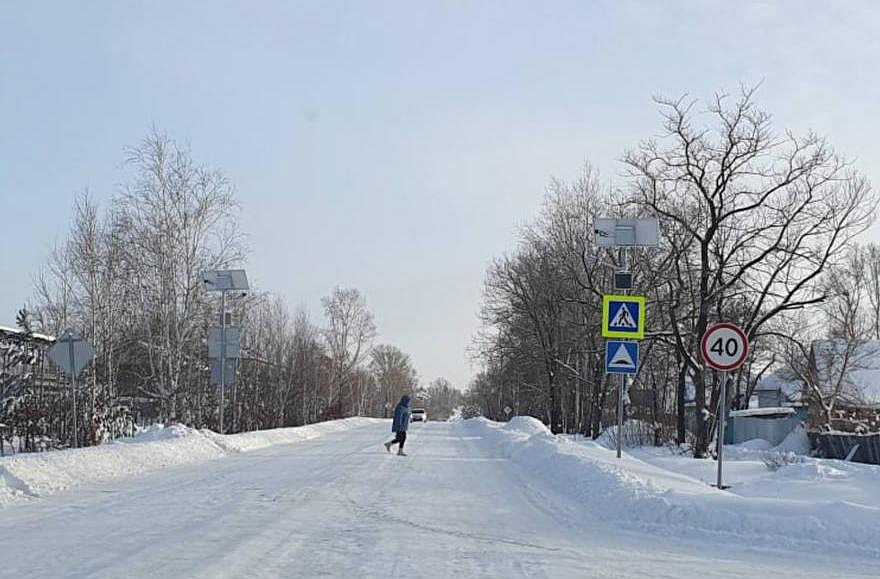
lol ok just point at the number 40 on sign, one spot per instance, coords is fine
(725, 347)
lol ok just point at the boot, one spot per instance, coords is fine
(387, 447)
(400, 452)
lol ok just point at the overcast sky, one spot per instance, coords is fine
(393, 147)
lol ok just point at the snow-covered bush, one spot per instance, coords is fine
(470, 411)
(635, 433)
(778, 459)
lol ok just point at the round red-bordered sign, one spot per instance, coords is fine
(724, 347)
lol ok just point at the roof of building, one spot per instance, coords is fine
(792, 390)
(764, 412)
(860, 362)
(19, 334)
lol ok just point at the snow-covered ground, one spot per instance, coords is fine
(798, 478)
(28, 476)
(813, 504)
(473, 499)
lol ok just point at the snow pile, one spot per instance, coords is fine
(525, 426)
(634, 493)
(25, 476)
(755, 444)
(796, 441)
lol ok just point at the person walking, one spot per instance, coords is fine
(400, 423)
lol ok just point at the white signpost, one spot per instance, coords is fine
(72, 353)
(725, 347)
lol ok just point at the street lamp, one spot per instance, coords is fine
(223, 281)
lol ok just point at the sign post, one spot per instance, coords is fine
(724, 348)
(622, 317)
(72, 353)
(621, 358)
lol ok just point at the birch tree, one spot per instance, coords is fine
(178, 220)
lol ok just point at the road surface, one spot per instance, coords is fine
(339, 506)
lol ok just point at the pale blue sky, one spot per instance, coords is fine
(393, 146)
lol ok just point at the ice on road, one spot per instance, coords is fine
(340, 506)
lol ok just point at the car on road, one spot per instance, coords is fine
(419, 415)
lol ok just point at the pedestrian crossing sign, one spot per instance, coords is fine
(621, 357)
(623, 317)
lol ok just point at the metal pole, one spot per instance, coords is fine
(222, 355)
(73, 389)
(722, 415)
(622, 379)
(620, 413)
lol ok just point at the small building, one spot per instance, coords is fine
(770, 424)
(778, 390)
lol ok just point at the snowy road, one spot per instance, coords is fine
(340, 506)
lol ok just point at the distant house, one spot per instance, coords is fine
(778, 389)
(20, 353)
(843, 386)
(8, 334)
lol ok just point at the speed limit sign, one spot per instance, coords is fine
(724, 347)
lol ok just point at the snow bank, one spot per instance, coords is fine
(24, 476)
(525, 426)
(796, 441)
(247, 441)
(633, 493)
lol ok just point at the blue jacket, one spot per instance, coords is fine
(401, 415)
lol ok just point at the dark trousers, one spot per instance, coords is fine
(399, 437)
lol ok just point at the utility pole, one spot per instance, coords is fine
(222, 358)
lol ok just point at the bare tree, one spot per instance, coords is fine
(764, 217)
(130, 279)
(178, 219)
(522, 292)
(394, 376)
(349, 332)
(442, 399)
